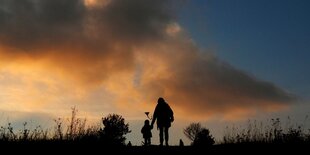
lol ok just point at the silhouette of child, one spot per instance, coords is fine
(146, 131)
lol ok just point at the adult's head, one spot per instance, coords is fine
(161, 100)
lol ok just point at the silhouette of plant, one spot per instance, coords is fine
(25, 132)
(114, 130)
(192, 130)
(203, 138)
(73, 130)
(7, 133)
(38, 134)
(76, 127)
(199, 135)
(273, 132)
(58, 133)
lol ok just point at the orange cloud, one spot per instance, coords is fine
(119, 56)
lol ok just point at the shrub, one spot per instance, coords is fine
(199, 135)
(203, 138)
(114, 130)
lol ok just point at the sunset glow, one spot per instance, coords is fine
(125, 70)
(119, 56)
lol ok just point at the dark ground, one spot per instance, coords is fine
(82, 148)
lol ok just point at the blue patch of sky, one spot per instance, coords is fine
(269, 39)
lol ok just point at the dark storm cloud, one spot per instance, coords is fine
(34, 23)
(137, 20)
(31, 24)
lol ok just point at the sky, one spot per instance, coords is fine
(214, 61)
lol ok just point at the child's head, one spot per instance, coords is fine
(146, 122)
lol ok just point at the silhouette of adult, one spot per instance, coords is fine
(164, 116)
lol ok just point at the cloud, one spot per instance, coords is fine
(204, 85)
(126, 53)
(75, 37)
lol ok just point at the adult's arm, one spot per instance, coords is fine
(171, 114)
(154, 117)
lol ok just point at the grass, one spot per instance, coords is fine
(74, 129)
(74, 136)
(274, 132)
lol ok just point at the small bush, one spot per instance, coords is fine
(199, 135)
(114, 130)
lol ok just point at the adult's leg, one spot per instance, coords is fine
(161, 135)
(145, 141)
(167, 135)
